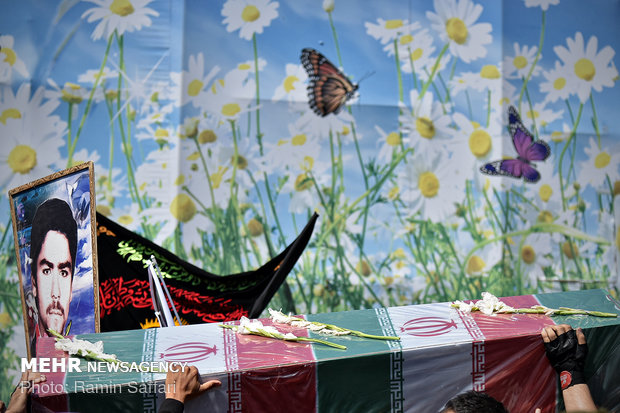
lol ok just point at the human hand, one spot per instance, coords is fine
(19, 398)
(185, 384)
(567, 351)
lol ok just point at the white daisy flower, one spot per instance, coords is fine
(250, 16)
(27, 152)
(32, 137)
(540, 115)
(390, 144)
(428, 188)
(556, 85)
(231, 97)
(543, 4)
(118, 16)
(475, 146)
(484, 259)
(91, 75)
(534, 255)
(70, 92)
(591, 68)
(519, 65)
(10, 60)
(293, 87)
(547, 189)
(387, 30)
(601, 163)
(415, 49)
(293, 152)
(193, 83)
(248, 162)
(321, 126)
(455, 21)
(426, 124)
(301, 188)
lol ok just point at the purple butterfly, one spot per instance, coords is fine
(527, 151)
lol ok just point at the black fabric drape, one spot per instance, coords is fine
(200, 297)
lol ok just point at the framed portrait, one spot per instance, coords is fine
(56, 247)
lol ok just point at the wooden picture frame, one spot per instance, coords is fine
(63, 277)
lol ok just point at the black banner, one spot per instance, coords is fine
(200, 297)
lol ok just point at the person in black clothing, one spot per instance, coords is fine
(181, 386)
(473, 402)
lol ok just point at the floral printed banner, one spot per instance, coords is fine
(207, 141)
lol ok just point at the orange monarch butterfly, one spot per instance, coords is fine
(329, 88)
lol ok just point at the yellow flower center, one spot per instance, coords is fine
(121, 7)
(22, 159)
(570, 250)
(545, 192)
(255, 227)
(528, 255)
(475, 265)
(289, 83)
(194, 87)
(480, 142)
(457, 30)
(406, 39)
(183, 208)
(428, 184)
(393, 24)
(559, 83)
(11, 113)
(489, 72)
(250, 13)
(303, 183)
(557, 136)
(425, 127)
(70, 93)
(416, 54)
(125, 219)
(545, 217)
(532, 114)
(585, 69)
(345, 130)
(399, 253)
(298, 140)
(602, 160)
(207, 136)
(161, 133)
(520, 62)
(393, 193)
(244, 66)
(363, 268)
(393, 139)
(230, 109)
(11, 57)
(242, 162)
(180, 180)
(616, 188)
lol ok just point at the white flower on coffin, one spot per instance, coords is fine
(255, 327)
(464, 307)
(488, 305)
(83, 348)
